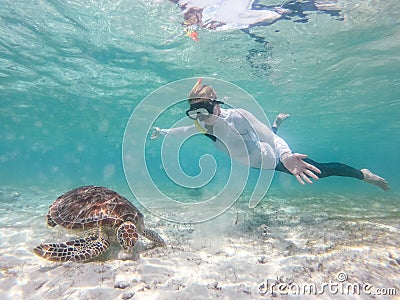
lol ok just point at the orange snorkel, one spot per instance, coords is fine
(190, 32)
(199, 81)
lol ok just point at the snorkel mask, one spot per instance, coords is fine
(204, 108)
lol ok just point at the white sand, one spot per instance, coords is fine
(217, 259)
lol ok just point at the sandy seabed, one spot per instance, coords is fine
(243, 254)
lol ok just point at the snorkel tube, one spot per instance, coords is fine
(196, 122)
(199, 81)
(199, 127)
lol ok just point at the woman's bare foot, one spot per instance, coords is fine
(375, 179)
(279, 119)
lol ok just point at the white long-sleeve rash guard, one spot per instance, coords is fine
(243, 137)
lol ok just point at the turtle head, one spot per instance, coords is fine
(127, 236)
(50, 221)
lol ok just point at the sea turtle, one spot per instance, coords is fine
(103, 215)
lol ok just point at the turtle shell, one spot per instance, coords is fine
(92, 206)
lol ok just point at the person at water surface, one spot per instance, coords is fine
(242, 14)
(250, 142)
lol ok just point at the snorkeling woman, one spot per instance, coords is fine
(249, 141)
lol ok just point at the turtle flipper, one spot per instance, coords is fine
(127, 236)
(154, 237)
(75, 250)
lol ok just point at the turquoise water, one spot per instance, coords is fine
(72, 73)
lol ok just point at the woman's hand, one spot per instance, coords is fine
(156, 133)
(299, 168)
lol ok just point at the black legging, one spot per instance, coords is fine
(327, 169)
